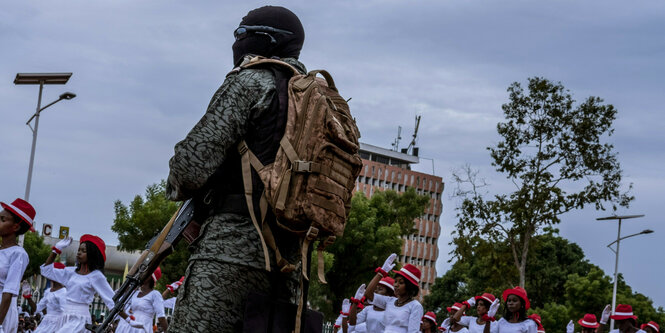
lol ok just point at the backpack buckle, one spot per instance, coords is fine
(302, 166)
(242, 148)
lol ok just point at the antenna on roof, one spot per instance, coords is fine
(395, 143)
(413, 140)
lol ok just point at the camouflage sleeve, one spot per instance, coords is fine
(203, 150)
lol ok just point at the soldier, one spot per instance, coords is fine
(227, 259)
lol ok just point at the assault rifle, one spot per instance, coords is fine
(159, 247)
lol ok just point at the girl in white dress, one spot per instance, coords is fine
(483, 304)
(403, 311)
(145, 304)
(82, 282)
(15, 220)
(514, 318)
(53, 302)
(428, 324)
(371, 315)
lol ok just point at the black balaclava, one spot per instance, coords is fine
(287, 46)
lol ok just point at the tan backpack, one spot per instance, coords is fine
(310, 183)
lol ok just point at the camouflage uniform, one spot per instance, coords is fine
(226, 262)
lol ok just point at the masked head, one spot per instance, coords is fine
(268, 31)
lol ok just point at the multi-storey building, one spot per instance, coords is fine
(388, 169)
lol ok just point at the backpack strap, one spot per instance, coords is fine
(263, 60)
(248, 159)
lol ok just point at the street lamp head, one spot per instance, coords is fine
(647, 231)
(67, 95)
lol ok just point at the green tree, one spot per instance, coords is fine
(143, 218)
(37, 252)
(373, 231)
(556, 157)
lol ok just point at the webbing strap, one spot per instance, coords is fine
(311, 235)
(300, 305)
(288, 149)
(336, 190)
(247, 180)
(321, 263)
(285, 266)
(328, 205)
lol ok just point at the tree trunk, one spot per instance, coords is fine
(525, 252)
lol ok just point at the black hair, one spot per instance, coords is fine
(95, 258)
(151, 283)
(521, 312)
(432, 326)
(24, 226)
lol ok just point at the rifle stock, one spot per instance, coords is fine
(156, 251)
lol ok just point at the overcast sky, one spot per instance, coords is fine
(144, 72)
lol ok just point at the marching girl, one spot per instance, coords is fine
(145, 304)
(450, 324)
(514, 317)
(483, 304)
(650, 327)
(403, 311)
(82, 282)
(15, 220)
(167, 295)
(428, 324)
(371, 315)
(53, 302)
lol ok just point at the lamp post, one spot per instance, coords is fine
(41, 79)
(616, 253)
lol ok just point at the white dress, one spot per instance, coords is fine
(144, 309)
(54, 303)
(471, 323)
(616, 330)
(372, 319)
(527, 326)
(399, 319)
(81, 291)
(13, 261)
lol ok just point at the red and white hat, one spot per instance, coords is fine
(58, 265)
(157, 274)
(388, 282)
(411, 273)
(536, 317)
(22, 209)
(622, 312)
(99, 243)
(431, 316)
(651, 324)
(589, 321)
(486, 296)
(454, 308)
(519, 292)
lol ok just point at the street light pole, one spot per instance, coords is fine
(34, 142)
(616, 255)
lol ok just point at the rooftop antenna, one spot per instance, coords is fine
(399, 137)
(413, 140)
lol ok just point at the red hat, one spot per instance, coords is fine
(58, 265)
(99, 243)
(157, 274)
(623, 311)
(431, 316)
(410, 272)
(519, 292)
(23, 209)
(454, 308)
(589, 321)
(536, 317)
(388, 282)
(651, 324)
(486, 296)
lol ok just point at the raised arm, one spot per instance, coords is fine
(381, 272)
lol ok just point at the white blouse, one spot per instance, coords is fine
(53, 301)
(400, 319)
(81, 289)
(373, 319)
(13, 262)
(474, 327)
(150, 304)
(527, 326)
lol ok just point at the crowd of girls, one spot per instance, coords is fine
(390, 305)
(72, 289)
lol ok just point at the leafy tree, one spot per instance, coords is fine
(373, 231)
(556, 157)
(37, 252)
(138, 222)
